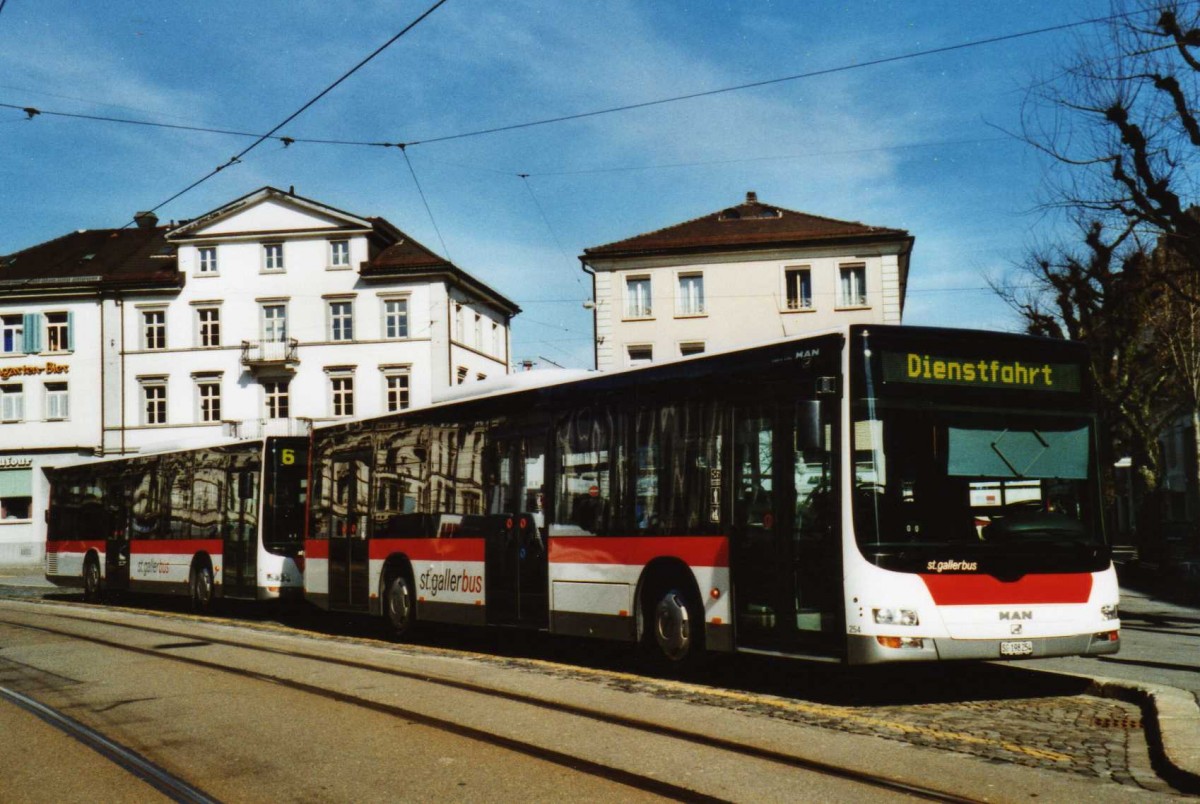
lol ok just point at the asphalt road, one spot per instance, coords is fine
(232, 709)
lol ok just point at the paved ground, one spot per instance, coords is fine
(1093, 725)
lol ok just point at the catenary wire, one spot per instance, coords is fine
(237, 158)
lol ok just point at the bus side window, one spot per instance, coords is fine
(586, 498)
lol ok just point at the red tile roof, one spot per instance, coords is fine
(94, 256)
(751, 224)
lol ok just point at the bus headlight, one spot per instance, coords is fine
(1112, 612)
(896, 617)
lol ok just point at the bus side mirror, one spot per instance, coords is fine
(809, 435)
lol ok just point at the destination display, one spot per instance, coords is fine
(981, 372)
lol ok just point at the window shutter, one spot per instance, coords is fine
(70, 331)
(33, 333)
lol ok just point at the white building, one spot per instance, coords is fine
(257, 318)
(742, 275)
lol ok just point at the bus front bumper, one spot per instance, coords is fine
(872, 650)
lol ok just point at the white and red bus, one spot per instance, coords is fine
(219, 521)
(872, 494)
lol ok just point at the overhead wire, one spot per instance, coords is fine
(237, 158)
(425, 201)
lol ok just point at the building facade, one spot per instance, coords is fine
(258, 318)
(745, 274)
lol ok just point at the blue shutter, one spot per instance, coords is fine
(70, 331)
(33, 333)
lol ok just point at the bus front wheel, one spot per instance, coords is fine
(398, 606)
(91, 580)
(675, 636)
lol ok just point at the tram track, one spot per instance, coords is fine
(604, 771)
(171, 786)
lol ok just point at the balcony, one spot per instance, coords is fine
(271, 355)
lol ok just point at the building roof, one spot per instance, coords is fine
(97, 257)
(402, 256)
(750, 225)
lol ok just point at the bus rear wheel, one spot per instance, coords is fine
(399, 606)
(201, 587)
(91, 580)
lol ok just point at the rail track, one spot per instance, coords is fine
(58, 620)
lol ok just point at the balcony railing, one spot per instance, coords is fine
(259, 428)
(271, 354)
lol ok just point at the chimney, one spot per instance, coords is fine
(751, 197)
(145, 220)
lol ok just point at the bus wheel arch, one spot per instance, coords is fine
(670, 614)
(93, 583)
(201, 584)
(397, 591)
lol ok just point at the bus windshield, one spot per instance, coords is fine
(976, 483)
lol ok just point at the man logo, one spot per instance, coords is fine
(1016, 615)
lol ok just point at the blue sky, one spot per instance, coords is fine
(917, 144)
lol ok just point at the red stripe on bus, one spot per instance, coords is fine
(175, 547)
(982, 590)
(74, 545)
(429, 549)
(695, 551)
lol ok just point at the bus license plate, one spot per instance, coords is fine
(1023, 648)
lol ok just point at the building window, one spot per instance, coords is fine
(12, 334)
(12, 402)
(339, 253)
(341, 321)
(459, 323)
(154, 329)
(480, 377)
(692, 348)
(208, 321)
(691, 294)
(637, 297)
(395, 318)
(208, 260)
(58, 406)
(16, 508)
(58, 332)
(799, 288)
(854, 285)
(461, 375)
(639, 355)
(274, 322)
(273, 256)
(395, 391)
(497, 340)
(154, 402)
(341, 394)
(208, 395)
(275, 395)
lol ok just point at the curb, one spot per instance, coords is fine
(1172, 722)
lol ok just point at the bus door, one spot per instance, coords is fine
(813, 522)
(756, 547)
(786, 559)
(239, 572)
(117, 494)
(516, 554)
(349, 553)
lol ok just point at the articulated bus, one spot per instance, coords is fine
(866, 495)
(220, 521)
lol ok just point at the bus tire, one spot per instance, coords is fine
(674, 628)
(399, 606)
(200, 586)
(93, 588)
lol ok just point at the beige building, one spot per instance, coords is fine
(746, 274)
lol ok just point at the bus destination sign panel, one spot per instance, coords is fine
(980, 372)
